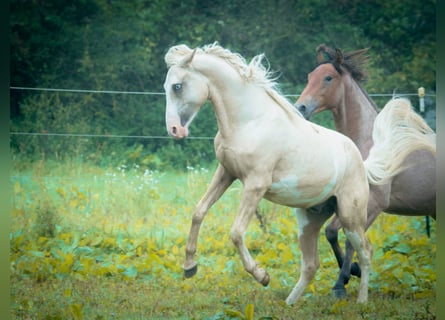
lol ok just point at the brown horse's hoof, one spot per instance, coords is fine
(188, 273)
(339, 293)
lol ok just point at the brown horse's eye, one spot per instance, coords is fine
(177, 87)
(328, 78)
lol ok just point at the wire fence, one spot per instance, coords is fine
(162, 93)
(86, 135)
(153, 93)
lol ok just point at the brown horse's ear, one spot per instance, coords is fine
(187, 59)
(338, 57)
(325, 51)
(320, 57)
(320, 50)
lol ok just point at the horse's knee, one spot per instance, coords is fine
(361, 245)
(198, 215)
(309, 269)
(237, 237)
(196, 219)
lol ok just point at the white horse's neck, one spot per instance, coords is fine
(236, 101)
(355, 116)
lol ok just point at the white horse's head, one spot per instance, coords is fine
(186, 91)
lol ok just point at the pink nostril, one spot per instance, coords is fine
(178, 132)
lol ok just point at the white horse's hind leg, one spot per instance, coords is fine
(363, 249)
(309, 226)
(352, 212)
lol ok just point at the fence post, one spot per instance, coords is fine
(421, 93)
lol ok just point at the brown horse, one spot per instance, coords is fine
(335, 85)
(317, 164)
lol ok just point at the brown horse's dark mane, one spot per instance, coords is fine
(353, 62)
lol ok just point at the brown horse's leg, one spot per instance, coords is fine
(339, 289)
(220, 182)
(309, 226)
(249, 203)
(348, 268)
(331, 233)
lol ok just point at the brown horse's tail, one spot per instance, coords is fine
(398, 131)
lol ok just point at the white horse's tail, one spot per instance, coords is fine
(398, 131)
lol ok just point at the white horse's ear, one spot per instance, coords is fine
(176, 54)
(187, 59)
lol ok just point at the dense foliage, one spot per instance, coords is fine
(119, 45)
(108, 243)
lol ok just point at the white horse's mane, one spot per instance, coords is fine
(254, 72)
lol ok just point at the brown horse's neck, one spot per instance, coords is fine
(355, 115)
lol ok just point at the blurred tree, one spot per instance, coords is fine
(120, 45)
(44, 42)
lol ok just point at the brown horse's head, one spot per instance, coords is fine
(324, 88)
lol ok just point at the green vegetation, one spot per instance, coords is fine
(120, 45)
(99, 243)
(99, 222)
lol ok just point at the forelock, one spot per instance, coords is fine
(175, 54)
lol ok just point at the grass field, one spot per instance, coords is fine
(108, 243)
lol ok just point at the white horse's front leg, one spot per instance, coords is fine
(309, 226)
(220, 182)
(249, 203)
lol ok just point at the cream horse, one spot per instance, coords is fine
(272, 150)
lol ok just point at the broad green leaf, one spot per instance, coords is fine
(234, 313)
(402, 248)
(249, 311)
(76, 310)
(131, 272)
(96, 241)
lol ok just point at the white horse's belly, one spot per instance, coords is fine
(289, 192)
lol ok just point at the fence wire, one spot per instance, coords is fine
(86, 135)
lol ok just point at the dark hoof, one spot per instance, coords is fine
(355, 270)
(265, 281)
(339, 293)
(188, 273)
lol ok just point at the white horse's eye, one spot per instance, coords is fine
(177, 87)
